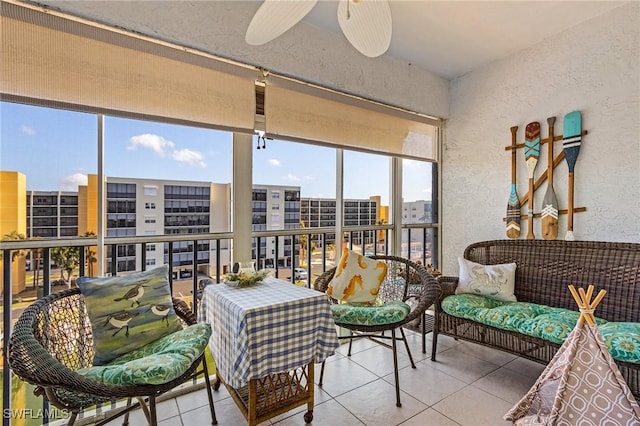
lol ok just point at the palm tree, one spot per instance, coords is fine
(381, 233)
(36, 258)
(302, 239)
(15, 235)
(90, 255)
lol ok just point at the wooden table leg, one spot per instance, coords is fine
(308, 416)
(251, 414)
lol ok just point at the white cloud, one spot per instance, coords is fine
(156, 143)
(187, 156)
(291, 178)
(275, 163)
(71, 183)
(27, 130)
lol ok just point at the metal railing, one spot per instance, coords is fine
(313, 249)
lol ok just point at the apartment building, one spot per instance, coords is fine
(420, 211)
(413, 241)
(13, 205)
(52, 214)
(156, 207)
(321, 212)
(137, 206)
(166, 207)
(275, 208)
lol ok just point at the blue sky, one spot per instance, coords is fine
(56, 149)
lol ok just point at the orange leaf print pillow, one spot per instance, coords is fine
(357, 278)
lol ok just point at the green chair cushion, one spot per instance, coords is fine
(552, 324)
(155, 363)
(387, 313)
(623, 340)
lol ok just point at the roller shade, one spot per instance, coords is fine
(297, 111)
(52, 59)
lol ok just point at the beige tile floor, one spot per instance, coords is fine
(468, 385)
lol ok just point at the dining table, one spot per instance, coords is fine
(265, 341)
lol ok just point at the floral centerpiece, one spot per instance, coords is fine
(244, 279)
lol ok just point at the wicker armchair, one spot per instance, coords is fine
(405, 281)
(53, 338)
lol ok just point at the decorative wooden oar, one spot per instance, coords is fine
(513, 206)
(550, 202)
(531, 154)
(572, 139)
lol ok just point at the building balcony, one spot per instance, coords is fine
(44, 280)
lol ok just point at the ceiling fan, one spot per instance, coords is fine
(365, 23)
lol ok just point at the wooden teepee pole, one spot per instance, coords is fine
(587, 307)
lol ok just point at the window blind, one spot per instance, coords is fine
(52, 59)
(298, 111)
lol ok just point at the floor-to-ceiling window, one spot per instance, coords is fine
(420, 207)
(178, 178)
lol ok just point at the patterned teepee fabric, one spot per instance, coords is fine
(581, 386)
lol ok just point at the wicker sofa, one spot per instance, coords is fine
(543, 273)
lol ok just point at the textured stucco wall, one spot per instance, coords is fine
(593, 68)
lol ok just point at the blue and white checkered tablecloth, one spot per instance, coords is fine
(268, 328)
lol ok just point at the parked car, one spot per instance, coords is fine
(299, 274)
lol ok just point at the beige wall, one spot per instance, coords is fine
(13, 218)
(594, 68)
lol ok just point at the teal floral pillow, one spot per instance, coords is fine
(127, 312)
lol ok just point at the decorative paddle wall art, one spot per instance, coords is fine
(550, 201)
(513, 207)
(549, 209)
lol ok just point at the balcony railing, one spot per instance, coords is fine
(310, 248)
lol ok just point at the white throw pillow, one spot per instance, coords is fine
(495, 281)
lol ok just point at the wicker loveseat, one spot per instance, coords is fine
(544, 270)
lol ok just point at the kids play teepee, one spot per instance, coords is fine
(582, 384)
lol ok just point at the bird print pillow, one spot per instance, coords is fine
(128, 311)
(357, 278)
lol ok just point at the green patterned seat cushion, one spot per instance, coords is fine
(552, 324)
(387, 313)
(623, 340)
(493, 312)
(155, 363)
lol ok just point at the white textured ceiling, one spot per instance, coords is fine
(448, 38)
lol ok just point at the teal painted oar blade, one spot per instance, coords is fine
(572, 137)
(513, 213)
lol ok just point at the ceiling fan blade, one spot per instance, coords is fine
(366, 24)
(274, 17)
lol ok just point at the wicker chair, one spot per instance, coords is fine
(52, 338)
(417, 287)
